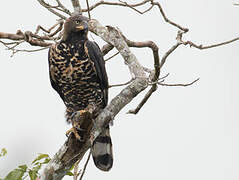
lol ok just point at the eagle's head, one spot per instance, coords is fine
(75, 27)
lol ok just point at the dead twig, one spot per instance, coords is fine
(86, 163)
(183, 85)
(115, 4)
(170, 51)
(138, 11)
(106, 48)
(76, 170)
(51, 9)
(168, 20)
(133, 7)
(63, 7)
(28, 37)
(88, 8)
(59, 23)
(31, 38)
(112, 56)
(123, 84)
(162, 78)
(201, 47)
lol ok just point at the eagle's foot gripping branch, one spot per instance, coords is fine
(77, 119)
(74, 131)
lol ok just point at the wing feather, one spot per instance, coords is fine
(54, 84)
(96, 56)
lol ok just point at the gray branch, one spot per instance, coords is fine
(76, 6)
(73, 150)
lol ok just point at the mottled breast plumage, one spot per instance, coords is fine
(73, 75)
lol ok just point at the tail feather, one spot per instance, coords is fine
(102, 151)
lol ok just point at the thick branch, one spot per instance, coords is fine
(156, 71)
(27, 37)
(114, 37)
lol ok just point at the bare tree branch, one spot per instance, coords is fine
(183, 85)
(166, 19)
(210, 46)
(115, 4)
(76, 170)
(171, 50)
(106, 48)
(14, 50)
(112, 56)
(156, 73)
(138, 11)
(59, 23)
(162, 78)
(123, 84)
(32, 38)
(77, 7)
(86, 163)
(28, 37)
(88, 8)
(51, 9)
(133, 6)
(64, 9)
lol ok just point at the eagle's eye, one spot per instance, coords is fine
(77, 22)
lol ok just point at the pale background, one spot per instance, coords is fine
(180, 134)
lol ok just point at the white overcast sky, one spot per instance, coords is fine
(180, 134)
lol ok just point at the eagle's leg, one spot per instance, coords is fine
(77, 118)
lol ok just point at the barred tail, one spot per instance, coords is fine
(102, 151)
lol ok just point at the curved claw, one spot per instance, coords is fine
(74, 131)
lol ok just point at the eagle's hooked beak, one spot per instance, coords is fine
(82, 26)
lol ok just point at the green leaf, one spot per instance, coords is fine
(23, 167)
(46, 161)
(72, 167)
(69, 173)
(3, 152)
(37, 168)
(32, 174)
(41, 156)
(16, 174)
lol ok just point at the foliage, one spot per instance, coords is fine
(3, 152)
(24, 171)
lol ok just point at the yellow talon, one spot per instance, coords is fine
(74, 131)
